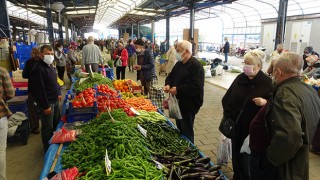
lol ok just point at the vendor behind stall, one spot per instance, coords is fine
(313, 69)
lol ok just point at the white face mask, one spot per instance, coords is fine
(179, 56)
(48, 59)
(60, 49)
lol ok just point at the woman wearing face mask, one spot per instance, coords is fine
(250, 84)
(60, 59)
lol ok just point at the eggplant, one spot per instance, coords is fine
(204, 160)
(184, 162)
(207, 177)
(191, 175)
(193, 170)
(215, 168)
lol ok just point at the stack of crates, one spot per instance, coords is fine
(23, 53)
(20, 104)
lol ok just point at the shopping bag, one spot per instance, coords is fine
(174, 109)
(224, 150)
(165, 103)
(119, 63)
(156, 95)
(63, 136)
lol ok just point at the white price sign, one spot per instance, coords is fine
(107, 163)
(142, 130)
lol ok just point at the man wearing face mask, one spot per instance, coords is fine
(240, 103)
(45, 90)
(186, 81)
(291, 120)
(145, 67)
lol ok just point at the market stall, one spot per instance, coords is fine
(128, 138)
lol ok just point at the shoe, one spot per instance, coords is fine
(35, 131)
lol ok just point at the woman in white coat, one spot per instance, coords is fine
(171, 54)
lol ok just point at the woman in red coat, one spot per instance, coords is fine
(121, 54)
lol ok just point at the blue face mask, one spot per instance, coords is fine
(179, 56)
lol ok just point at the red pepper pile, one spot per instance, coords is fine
(113, 103)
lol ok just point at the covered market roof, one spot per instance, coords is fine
(114, 13)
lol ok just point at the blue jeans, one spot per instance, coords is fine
(226, 57)
(185, 125)
(48, 123)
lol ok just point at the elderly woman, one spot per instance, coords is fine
(240, 97)
(313, 68)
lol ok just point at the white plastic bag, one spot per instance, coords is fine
(224, 151)
(174, 109)
(245, 146)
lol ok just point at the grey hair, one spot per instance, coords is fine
(289, 63)
(90, 39)
(257, 56)
(186, 45)
(280, 45)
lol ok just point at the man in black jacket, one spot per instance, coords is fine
(226, 49)
(45, 90)
(186, 82)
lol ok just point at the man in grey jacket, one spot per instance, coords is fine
(292, 118)
(91, 56)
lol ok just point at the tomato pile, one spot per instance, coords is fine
(84, 99)
(104, 89)
(113, 103)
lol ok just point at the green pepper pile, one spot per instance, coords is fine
(124, 142)
(91, 81)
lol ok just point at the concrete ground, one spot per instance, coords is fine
(25, 162)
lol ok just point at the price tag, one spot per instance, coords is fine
(142, 130)
(107, 163)
(134, 111)
(136, 89)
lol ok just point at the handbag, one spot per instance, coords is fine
(227, 125)
(119, 63)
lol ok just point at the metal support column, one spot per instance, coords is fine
(4, 20)
(14, 33)
(167, 31)
(24, 36)
(120, 32)
(152, 31)
(60, 29)
(138, 30)
(281, 22)
(66, 26)
(192, 17)
(132, 31)
(49, 22)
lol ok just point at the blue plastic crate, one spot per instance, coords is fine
(19, 108)
(82, 114)
(24, 49)
(109, 73)
(23, 59)
(21, 92)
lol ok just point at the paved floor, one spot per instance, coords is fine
(25, 162)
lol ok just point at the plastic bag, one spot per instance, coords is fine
(63, 136)
(119, 63)
(245, 146)
(224, 151)
(174, 109)
(70, 174)
(165, 103)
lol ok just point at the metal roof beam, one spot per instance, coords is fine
(80, 15)
(210, 4)
(173, 2)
